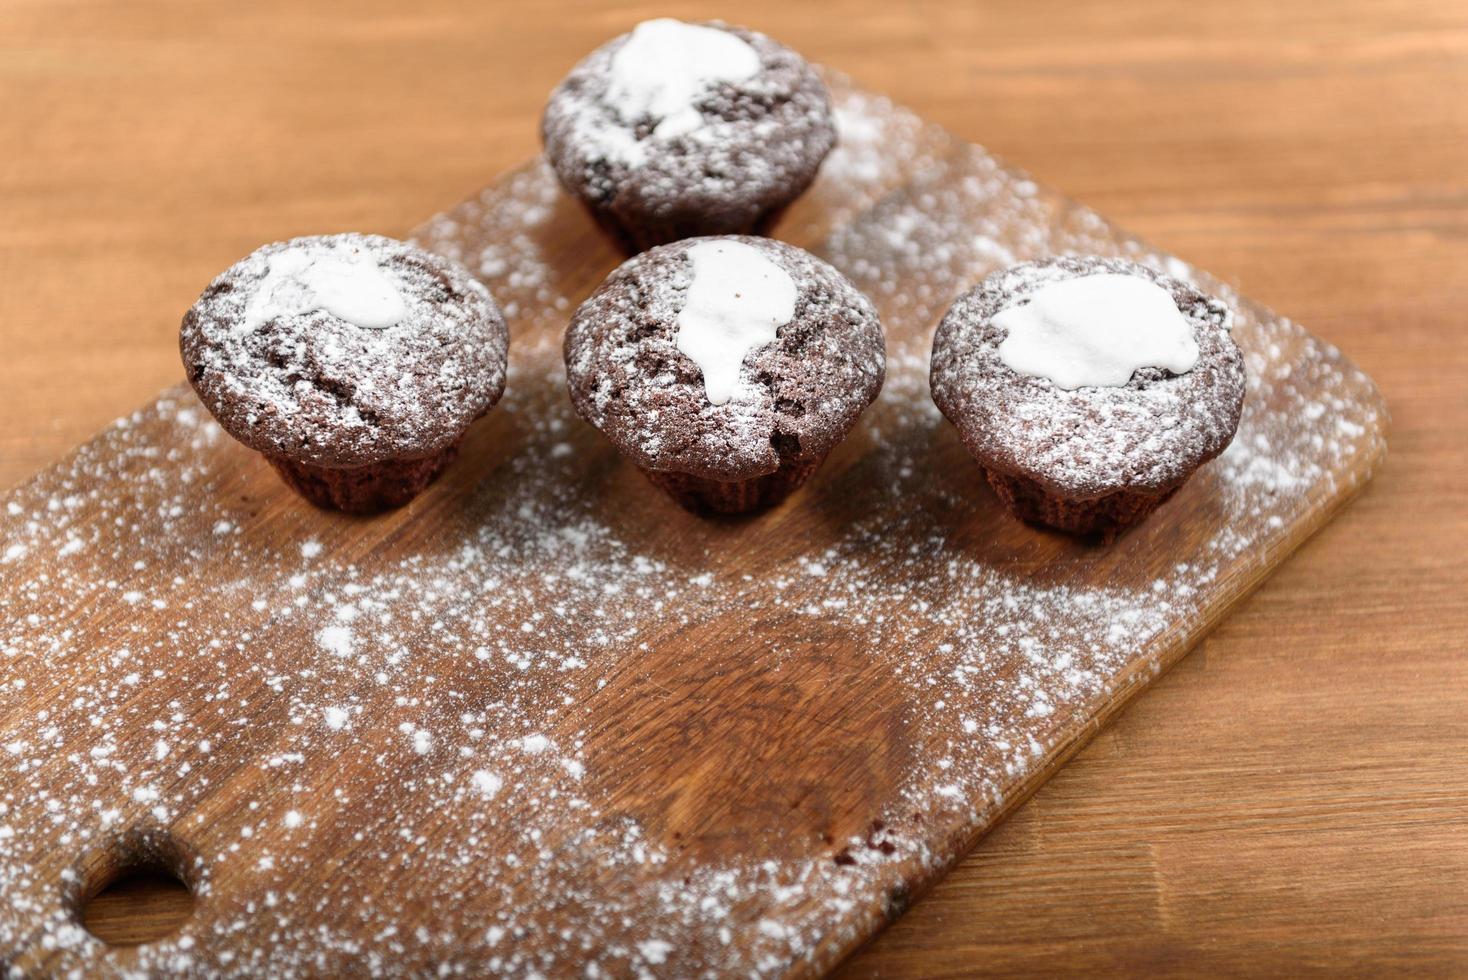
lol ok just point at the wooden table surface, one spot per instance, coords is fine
(1294, 796)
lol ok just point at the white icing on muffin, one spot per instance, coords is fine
(664, 69)
(1096, 331)
(736, 301)
(342, 279)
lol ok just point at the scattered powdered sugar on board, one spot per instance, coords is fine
(431, 751)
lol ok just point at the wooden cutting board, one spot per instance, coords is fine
(542, 720)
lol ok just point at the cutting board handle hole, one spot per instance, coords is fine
(134, 889)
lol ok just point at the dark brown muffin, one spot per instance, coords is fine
(676, 130)
(354, 363)
(1094, 458)
(725, 425)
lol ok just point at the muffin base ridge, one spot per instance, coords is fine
(1106, 516)
(640, 234)
(364, 489)
(704, 496)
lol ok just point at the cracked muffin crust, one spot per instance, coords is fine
(354, 363)
(738, 150)
(1093, 459)
(795, 399)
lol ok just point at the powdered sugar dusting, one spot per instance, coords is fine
(1149, 433)
(446, 715)
(710, 131)
(345, 350)
(632, 375)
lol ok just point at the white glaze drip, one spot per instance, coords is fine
(737, 300)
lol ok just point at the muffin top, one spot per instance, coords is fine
(1089, 375)
(345, 350)
(688, 116)
(723, 357)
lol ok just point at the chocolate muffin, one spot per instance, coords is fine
(354, 363)
(725, 368)
(1088, 389)
(676, 130)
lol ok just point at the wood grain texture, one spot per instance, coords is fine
(139, 909)
(1313, 154)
